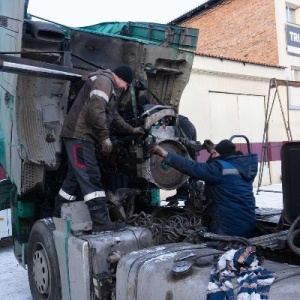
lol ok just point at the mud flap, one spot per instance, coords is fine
(290, 169)
(5, 189)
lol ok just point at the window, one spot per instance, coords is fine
(290, 14)
(295, 74)
(294, 92)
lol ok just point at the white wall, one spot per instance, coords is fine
(289, 61)
(284, 58)
(225, 97)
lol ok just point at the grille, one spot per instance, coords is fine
(32, 177)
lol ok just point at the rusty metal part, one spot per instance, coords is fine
(151, 120)
(157, 171)
(115, 257)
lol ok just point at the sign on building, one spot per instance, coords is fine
(293, 39)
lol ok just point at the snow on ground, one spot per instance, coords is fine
(269, 196)
(13, 277)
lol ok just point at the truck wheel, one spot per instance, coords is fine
(43, 269)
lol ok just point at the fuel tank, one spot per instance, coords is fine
(182, 271)
(89, 260)
(172, 271)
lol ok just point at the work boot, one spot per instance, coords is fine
(172, 200)
(100, 216)
(181, 195)
(175, 199)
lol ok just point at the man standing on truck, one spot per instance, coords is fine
(88, 123)
(228, 176)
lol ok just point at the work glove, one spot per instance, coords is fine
(106, 146)
(209, 145)
(138, 131)
(155, 149)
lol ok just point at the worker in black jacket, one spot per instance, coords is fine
(86, 125)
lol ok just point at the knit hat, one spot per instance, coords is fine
(125, 73)
(225, 147)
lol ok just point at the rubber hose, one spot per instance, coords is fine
(226, 238)
(291, 236)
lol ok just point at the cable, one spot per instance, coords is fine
(291, 236)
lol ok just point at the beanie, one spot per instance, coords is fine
(125, 73)
(225, 147)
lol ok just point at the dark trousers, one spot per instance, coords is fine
(83, 171)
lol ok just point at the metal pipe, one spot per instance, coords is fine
(18, 68)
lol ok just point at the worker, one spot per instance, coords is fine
(190, 133)
(228, 176)
(88, 123)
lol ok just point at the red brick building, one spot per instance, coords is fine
(242, 30)
(243, 45)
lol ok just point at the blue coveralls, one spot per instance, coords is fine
(229, 184)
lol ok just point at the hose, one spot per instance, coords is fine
(291, 236)
(226, 238)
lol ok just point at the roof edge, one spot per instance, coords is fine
(239, 60)
(194, 11)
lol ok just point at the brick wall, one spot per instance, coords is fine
(238, 29)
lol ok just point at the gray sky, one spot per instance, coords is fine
(78, 13)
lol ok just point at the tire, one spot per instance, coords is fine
(42, 261)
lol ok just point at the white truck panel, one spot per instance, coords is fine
(5, 223)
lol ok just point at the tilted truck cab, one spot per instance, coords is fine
(164, 252)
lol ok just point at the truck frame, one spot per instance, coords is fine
(165, 252)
